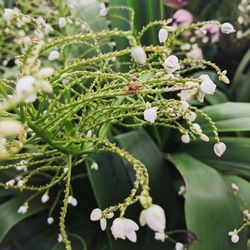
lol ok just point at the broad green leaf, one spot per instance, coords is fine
(210, 207)
(9, 216)
(244, 189)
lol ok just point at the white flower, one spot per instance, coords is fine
(9, 14)
(27, 40)
(191, 88)
(103, 223)
(96, 214)
(89, 134)
(72, 201)
(184, 105)
(179, 246)
(139, 55)
(190, 116)
(160, 236)
(23, 209)
(227, 28)
(196, 128)
(207, 86)
(185, 138)
(53, 55)
(10, 128)
(219, 148)
(94, 166)
(25, 88)
(154, 217)
(204, 137)
(224, 78)
(45, 197)
(103, 10)
(150, 114)
(182, 190)
(163, 35)
(171, 64)
(45, 73)
(234, 236)
(246, 214)
(62, 22)
(44, 86)
(22, 167)
(59, 238)
(50, 220)
(10, 182)
(124, 228)
(234, 187)
(20, 183)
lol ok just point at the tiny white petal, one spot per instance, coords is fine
(185, 138)
(103, 224)
(62, 22)
(150, 114)
(162, 35)
(227, 28)
(160, 236)
(54, 55)
(50, 220)
(59, 238)
(96, 214)
(171, 64)
(45, 197)
(179, 246)
(139, 55)
(219, 148)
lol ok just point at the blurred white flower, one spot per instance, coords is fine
(54, 55)
(150, 114)
(171, 64)
(10, 128)
(139, 55)
(179, 246)
(185, 138)
(59, 238)
(162, 35)
(234, 236)
(45, 197)
(72, 201)
(23, 209)
(62, 22)
(103, 10)
(227, 28)
(50, 220)
(219, 148)
(25, 88)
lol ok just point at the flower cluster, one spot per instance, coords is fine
(243, 18)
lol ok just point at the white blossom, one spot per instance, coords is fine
(234, 236)
(94, 166)
(72, 201)
(207, 86)
(204, 137)
(246, 214)
(224, 78)
(124, 228)
(62, 22)
(182, 190)
(103, 224)
(185, 138)
(50, 220)
(25, 88)
(23, 209)
(150, 114)
(20, 183)
(10, 182)
(154, 217)
(45, 73)
(89, 134)
(139, 55)
(59, 238)
(196, 128)
(103, 10)
(96, 214)
(9, 14)
(163, 35)
(191, 116)
(10, 127)
(219, 148)
(53, 55)
(160, 236)
(179, 246)
(227, 28)
(171, 64)
(184, 105)
(45, 197)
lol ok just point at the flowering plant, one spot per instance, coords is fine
(62, 109)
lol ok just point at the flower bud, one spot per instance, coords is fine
(219, 148)
(227, 28)
(139, 55)
(162, 35)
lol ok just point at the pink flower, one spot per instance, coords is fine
(182, 18)
(195, 53)
(213, 31)
(176, 3)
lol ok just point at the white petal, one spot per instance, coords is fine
(139, 55)
(142, 218)
(96, 214)
(162, 35)
(227, 28)
(131, 235)
(150, 114)
(219, 148)
(185, 138)
(103, 224)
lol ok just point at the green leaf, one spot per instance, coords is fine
(210, 207)
(9, 216)
(227, 117)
